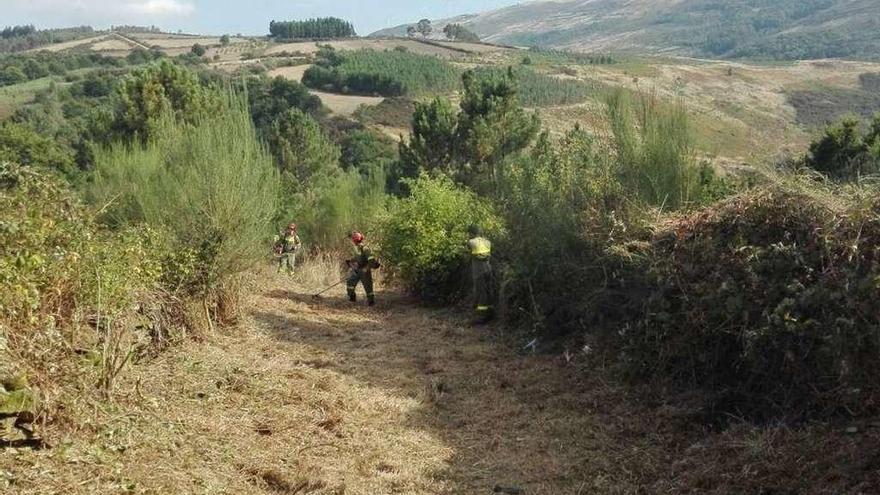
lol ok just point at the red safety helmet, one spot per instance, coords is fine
(292, 226)
(357, 237)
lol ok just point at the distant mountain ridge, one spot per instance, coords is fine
(770, 29)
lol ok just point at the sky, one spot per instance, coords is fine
(231, 16)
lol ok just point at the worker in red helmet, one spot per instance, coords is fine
(362, 265)
(287, 245)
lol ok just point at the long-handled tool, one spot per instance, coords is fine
(319, 294)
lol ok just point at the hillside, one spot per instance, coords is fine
(783, 29)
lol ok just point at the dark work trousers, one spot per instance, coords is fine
(365, 277)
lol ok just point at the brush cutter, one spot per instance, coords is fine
(319, 294)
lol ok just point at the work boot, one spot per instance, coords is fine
(352, 296)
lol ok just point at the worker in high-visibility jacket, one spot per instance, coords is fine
(480, 250)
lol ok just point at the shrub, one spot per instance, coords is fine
(767, 302)
(20, 144)
(303, 153)
(564, 206)
(654, 151)
(347, 202)
(845, 151)
(213, 186)
(364, 150)
(198, 50)
(68, 283)
(12, 75)
(148, 94)
(425, 236)
(270, 98)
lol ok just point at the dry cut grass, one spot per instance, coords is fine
(318, 396)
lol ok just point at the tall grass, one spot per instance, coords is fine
(212, 185)
(654, 150)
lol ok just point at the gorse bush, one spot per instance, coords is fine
(388, 73)
(425, 235)
(212, 185)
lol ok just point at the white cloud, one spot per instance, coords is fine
(160, 7)
(101, 9)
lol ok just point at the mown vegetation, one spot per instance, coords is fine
(320, 28)
(388, 73)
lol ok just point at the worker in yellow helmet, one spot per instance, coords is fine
(480, 250)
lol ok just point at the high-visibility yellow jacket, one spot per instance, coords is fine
(480, 248)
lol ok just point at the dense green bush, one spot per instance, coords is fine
(212, 185)
(271, 98)
(654, 151)
(425, 236)
(366, 150)
(303, 152)
(20, 144)
(147, 95)
(68, 284)
(847, 149)
(768, 302)
(388, 73)
(564, 206)
(327, 212)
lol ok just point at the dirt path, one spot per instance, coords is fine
(318, 396)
